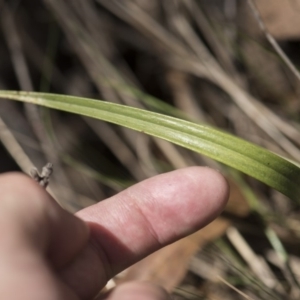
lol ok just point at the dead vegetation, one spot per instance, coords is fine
(208, 61)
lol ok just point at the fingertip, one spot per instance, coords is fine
(191, 197)
(209, 193)
(214, 184)
(18, 182)
(21, 200)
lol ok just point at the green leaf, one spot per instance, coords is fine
(253, 160)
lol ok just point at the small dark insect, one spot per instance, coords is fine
(43, 177)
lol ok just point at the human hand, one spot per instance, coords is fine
(48, 254)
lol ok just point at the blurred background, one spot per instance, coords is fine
(215, 62)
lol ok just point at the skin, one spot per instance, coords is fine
(47, 253)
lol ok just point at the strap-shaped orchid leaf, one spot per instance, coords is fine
(253, 160)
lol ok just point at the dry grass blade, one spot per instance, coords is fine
(14, 148)
(272, 41)
(105, 75)
(33, 114)
(257, 264)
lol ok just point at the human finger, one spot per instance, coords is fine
(144, 218)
